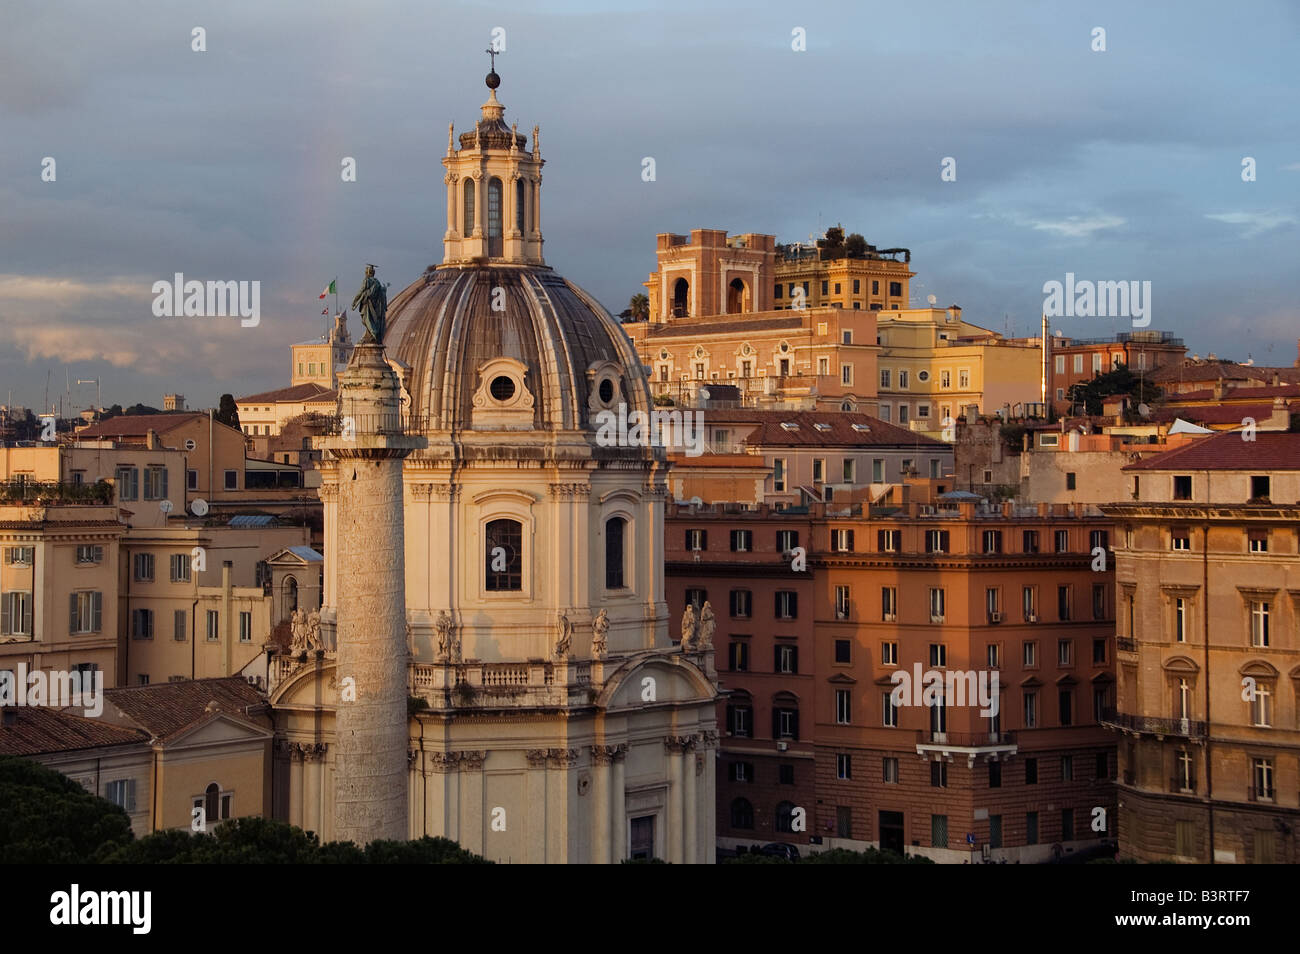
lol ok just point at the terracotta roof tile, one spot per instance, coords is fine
(168, 708)
(1270, 450)
(131, 425)
(37, 730)
(299, 392)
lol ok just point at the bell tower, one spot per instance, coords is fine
(493, 191)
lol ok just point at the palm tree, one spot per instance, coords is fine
(639, 305)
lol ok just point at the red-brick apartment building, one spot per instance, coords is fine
(995, 594)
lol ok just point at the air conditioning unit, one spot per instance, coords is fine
(891, 617)
(841, 614)
(1031, 618)
(995, 617)
(782, 746)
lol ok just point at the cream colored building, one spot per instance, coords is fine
(1208, 714)
(556, 721)
(319, 361)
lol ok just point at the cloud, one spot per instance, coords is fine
(1075, 226)
(1254, 223)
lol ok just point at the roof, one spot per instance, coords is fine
(306, 554)
(130, 425)
(40, 729)
(299, 392)
(1213, 370)
(683, 328)
(1243, 394)
(1270, 450)
(1214, 414)
(252, 520)
(819, 429)
(166, 709)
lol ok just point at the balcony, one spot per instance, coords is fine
(1153, 725)
(1126, 644)
(970, 744)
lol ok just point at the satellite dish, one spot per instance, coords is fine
(1058, 334)
(697, 502)
(932, 300)
(165, 506)
(198, 506)
(1144, 410)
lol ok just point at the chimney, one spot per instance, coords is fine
(1220, 389)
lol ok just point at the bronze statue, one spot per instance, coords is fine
(372, 304)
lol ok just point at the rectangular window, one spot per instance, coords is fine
(1029, 657)
(1259, 488)
(143, 563)
(889, 770)
(20, 556)
(939, 827)
(1067, 768)
(939, 774)
(786, 540)
(1103, 765)
(191, 480)
(16, 613)
(847, 470)
(889, 710)
(128, 483)
(1029, 603)
(142, 624)
(1185, 839)
(884, 379)
(697, 539)
(1259, 624)
(87, 553)
(937, 604)
(738, 656)
(180, 567)
(1060, 364)
(843, 650)
(742, 541)
(86, 612)
(1099, 651)
(843, 708)
(740, 721)
(1065, 707)
(938, 654)
(819, 470)
(877, 470)
(995, 774)
(1029, 542)
(843, 766)
(1099, 601)
(842, 604)
(741, 604)
(1063, 603)
(180, 625)
(846, 374)
(1261, 706)
(963, 379)
(1065, 652)
(995, 831)
(902, 381)
(213, 626)
(232, 479)
(992, 541)
(1067, 814)
(889, 653)
(1031, 710)
(1183, 487)
(1257, 541)
(994, 655)
(1078, 364)
(778, 477)
(121, 793)
(945, 379)
(155, 483)
(843, 821)
(1031, 818)
(842, 541)
(787, 604)
(245, 626)
(1180, 538)
(697, 598)
(895, 289)
(936, 541)
(786, 658)
(889, 541)
(1031, 771)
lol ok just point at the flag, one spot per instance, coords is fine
(330, 289)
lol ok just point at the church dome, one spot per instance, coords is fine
(510, 347)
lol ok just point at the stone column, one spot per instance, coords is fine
(673, 811)
(371, 788)
(603, 839)
(618, 827)
(689, 815)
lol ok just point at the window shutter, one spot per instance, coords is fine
(794, 658)
(776, 658)
(97, 606)
(794, 725)
(130, 795)
(794, 605)
(5, 600)
(776, 723)
(943, 540)
(72, 612)
(850, 547)
(164, 483)
(733, 602)
(880, 540)
(731, 720)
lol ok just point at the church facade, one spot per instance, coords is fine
(550, 717)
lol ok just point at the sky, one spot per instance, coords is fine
(1122, 164)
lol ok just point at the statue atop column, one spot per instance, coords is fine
(688, 628)
(706, 626)
(565, 642)
(371, 303)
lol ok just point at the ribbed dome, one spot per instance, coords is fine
(444, 329)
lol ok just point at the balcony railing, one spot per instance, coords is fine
(965, 740)
(1126, 644)
(1153, 725)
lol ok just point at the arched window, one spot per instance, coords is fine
(290, 595)
(736, 297)
(521, 203)
(504, 555)
(494, 217)
(468, 206)
(681, 298)
(614, 550)
(785, 817)
(211, 804)
(742, 814)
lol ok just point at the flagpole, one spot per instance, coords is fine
(336, 294)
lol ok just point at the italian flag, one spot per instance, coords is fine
(330, 289)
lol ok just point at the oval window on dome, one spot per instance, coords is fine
(502, 388)
(606, 391)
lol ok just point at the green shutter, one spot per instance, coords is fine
(5, 600)
(97, 606)
(72, 617)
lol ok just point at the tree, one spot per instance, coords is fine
(1092, 394)
(228, 413)
(855, 246)
(50, 819)
(832, 245)
(639, 305)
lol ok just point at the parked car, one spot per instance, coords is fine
(781, 850)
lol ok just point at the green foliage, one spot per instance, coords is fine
(136, 409)
(1013, 436)
(51, 491)
(855, 246)
(832, 244)
(643, 861)
(228, 412)
(1092, 394)
(415, 704)
(870, 856)
(47, 818)
(639, 305)
(664, 400)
